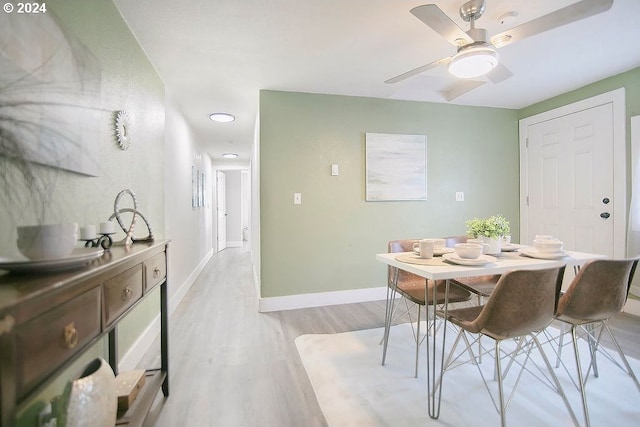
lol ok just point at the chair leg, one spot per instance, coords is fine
(557, 383)
(417, 343)
(560, 340)
(622, 356)
(498, 369)
(593, 346)
(574, 338)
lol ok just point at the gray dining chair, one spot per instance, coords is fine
(597, 293)
(522, 304)
(412, 291)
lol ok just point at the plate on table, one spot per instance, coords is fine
(481, 260)
(534, 253)
(442, 251)
(509, 248)
(78, 258)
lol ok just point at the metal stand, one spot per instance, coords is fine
(105, 241)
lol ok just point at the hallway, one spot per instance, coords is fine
(233, 366)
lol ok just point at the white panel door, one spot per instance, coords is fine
(570, 165)
(221, 197)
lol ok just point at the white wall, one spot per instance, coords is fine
(189, 228)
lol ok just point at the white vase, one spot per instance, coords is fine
(495, 244)
(93, 400)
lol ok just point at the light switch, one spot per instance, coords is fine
(297, 198)
(335, 170)
(460, 196)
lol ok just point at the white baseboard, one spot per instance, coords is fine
(177, 296)
(632, 306)
(291, 302)
(134, 355)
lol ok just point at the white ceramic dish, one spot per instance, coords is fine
(442, 251)
(481, 260)
(78, 258)
(534, 253)
(47, 230)
(44, 247)
(548, 246)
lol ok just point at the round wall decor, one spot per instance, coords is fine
(122, 130)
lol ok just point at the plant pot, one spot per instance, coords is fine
(495, 244)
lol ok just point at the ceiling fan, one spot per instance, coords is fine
(476, 54)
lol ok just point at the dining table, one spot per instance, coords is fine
(446, 267)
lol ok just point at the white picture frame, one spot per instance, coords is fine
(396, 167)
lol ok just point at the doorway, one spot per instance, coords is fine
(573, 175)
(233, 189)
(221, 210)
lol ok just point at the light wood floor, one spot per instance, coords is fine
(233, 366)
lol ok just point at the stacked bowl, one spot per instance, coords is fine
(48, 241)
(548, 245)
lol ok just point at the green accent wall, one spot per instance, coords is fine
(329, 242)
(630, 80)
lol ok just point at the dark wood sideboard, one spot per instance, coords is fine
(47, 320)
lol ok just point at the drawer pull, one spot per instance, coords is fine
(70, 335)
(6, 324)
(127, 294)
(156, 273)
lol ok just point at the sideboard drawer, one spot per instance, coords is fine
(121, 292)
(46, 341)
(155, 270)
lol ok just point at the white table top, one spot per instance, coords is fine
(507, 261)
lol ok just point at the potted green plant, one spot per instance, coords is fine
(490, 231)
(494, 227)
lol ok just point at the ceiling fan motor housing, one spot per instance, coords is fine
(472, 10)
(479, 35)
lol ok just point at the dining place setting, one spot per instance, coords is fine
(478, 252)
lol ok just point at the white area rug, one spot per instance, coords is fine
(353, 389)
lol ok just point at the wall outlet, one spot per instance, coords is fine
(459, 196)
(335, 170)
(297, 198)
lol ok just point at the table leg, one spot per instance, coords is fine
(435, 367)
(388, 316)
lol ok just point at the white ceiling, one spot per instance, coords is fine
(216, 55)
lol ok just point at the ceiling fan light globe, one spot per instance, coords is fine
(473, 62)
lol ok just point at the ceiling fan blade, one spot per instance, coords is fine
(499, 74)
(435, 18)
(460, 88)
(575, 12)
(418, 70)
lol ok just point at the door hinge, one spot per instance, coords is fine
(527, 201)
(526, 142)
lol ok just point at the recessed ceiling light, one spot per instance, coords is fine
(222, 117)
(230, 155)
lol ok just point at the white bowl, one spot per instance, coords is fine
(468, 250)
(548, 246)
(47, 230)
(47, 247)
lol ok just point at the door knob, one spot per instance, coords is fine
(605, 215)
